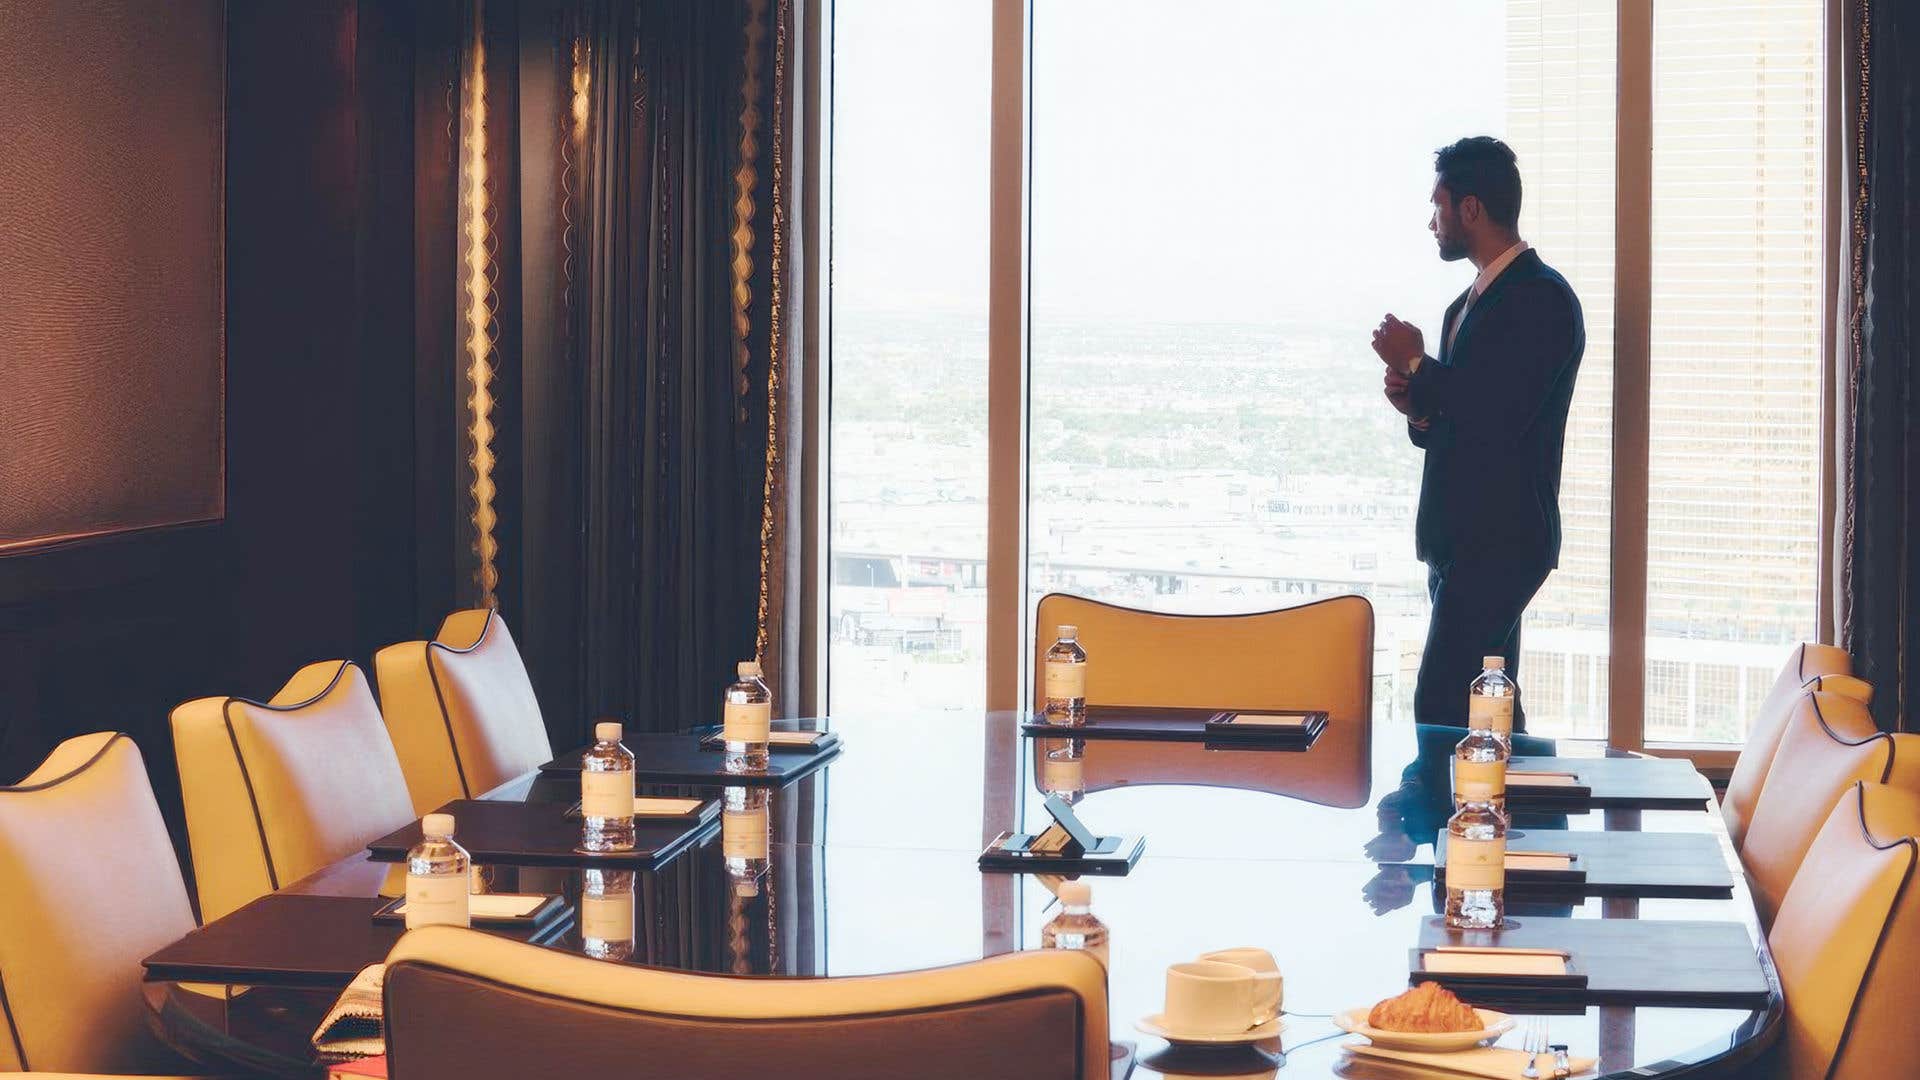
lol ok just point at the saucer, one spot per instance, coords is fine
(1155, 1025)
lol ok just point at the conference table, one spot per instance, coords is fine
(871, 866)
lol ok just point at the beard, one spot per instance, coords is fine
(1452, 250)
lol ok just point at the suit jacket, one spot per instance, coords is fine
(1496, 402)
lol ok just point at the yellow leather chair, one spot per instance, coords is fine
(1829, 744)
(276, 790)
(1809, 667)
(1847, 941)
(522, 1010)
(88, 888)
(1315, 656)
(461, 710)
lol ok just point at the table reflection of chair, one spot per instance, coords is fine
(1316, 656)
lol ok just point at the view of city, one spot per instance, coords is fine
(1208, 432)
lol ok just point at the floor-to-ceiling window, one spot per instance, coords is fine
(908, 346)
(1223, 198)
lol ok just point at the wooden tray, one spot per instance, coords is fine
(1212, 726)
(288, 939)
(1683, 865)
(679, 760)
(1627, 961)
(1614, 784)
(540, 834)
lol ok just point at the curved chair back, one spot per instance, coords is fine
(461, 710)
(1315, 656)
(276, 790)
(88, 888)
(520, 1010)
(1807, 668)
(1830, 743)
(1847, 940)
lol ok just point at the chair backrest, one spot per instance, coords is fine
(1807, 668)
(1847, 941)
(88, 888)
(461, 710)
(520, 1010)
(276, 790)
(1315, 656)
(1829, 744)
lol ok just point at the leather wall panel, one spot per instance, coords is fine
(111, 277)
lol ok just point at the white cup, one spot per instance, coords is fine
(1206, 997)
(1266, 972)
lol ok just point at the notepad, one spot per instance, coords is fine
(1493, 961)
(485, 907)
(1518, 778)
(648, 806)
(1496, 1063)
(1539, 860)
(1277, 720)
(793, 738)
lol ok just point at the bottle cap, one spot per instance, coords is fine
(1068, 632)
(1077, 893)
(1494, 663)
(749, 668)
(607, 731)
(440, 825)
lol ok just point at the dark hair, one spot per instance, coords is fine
(1482, 166)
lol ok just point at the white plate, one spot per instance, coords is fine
(1155, 1025)
(1493, 1026)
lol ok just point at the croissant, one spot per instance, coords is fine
(1428, 1007)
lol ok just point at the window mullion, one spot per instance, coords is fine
(1632, 379)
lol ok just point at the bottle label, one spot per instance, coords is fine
(607, 918)
(1491, 712)
(746, 723)
(1479, 781)
(606, 794)
(1059, 775)
(437, 900)
(1066, 679)
(1476, 864)
(743, 834)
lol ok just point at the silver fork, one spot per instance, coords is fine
(1534, 1043)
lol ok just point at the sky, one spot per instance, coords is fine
(1206, 161)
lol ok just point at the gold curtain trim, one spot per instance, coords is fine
(1857, 287)
(771, 490)
(746, 177)
(480, 313)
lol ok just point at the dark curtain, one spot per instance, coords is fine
(643, 203)
(1883, 624)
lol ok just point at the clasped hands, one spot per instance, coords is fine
(1397, 343)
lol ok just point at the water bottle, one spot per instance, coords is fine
(745, 837)
(606, 914)
(744, 723)
(1066, 679)
(1075, 927)
(1063, 769)
(1476, 867)
(1492, 695)
(1480, 760)
(438, 876)
(606, 792)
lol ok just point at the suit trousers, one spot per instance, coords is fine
(1477, 607)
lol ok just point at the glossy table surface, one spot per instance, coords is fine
(870, 867)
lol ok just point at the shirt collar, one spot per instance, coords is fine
(1494, 268)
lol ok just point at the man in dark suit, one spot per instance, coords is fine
(1490, 410)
